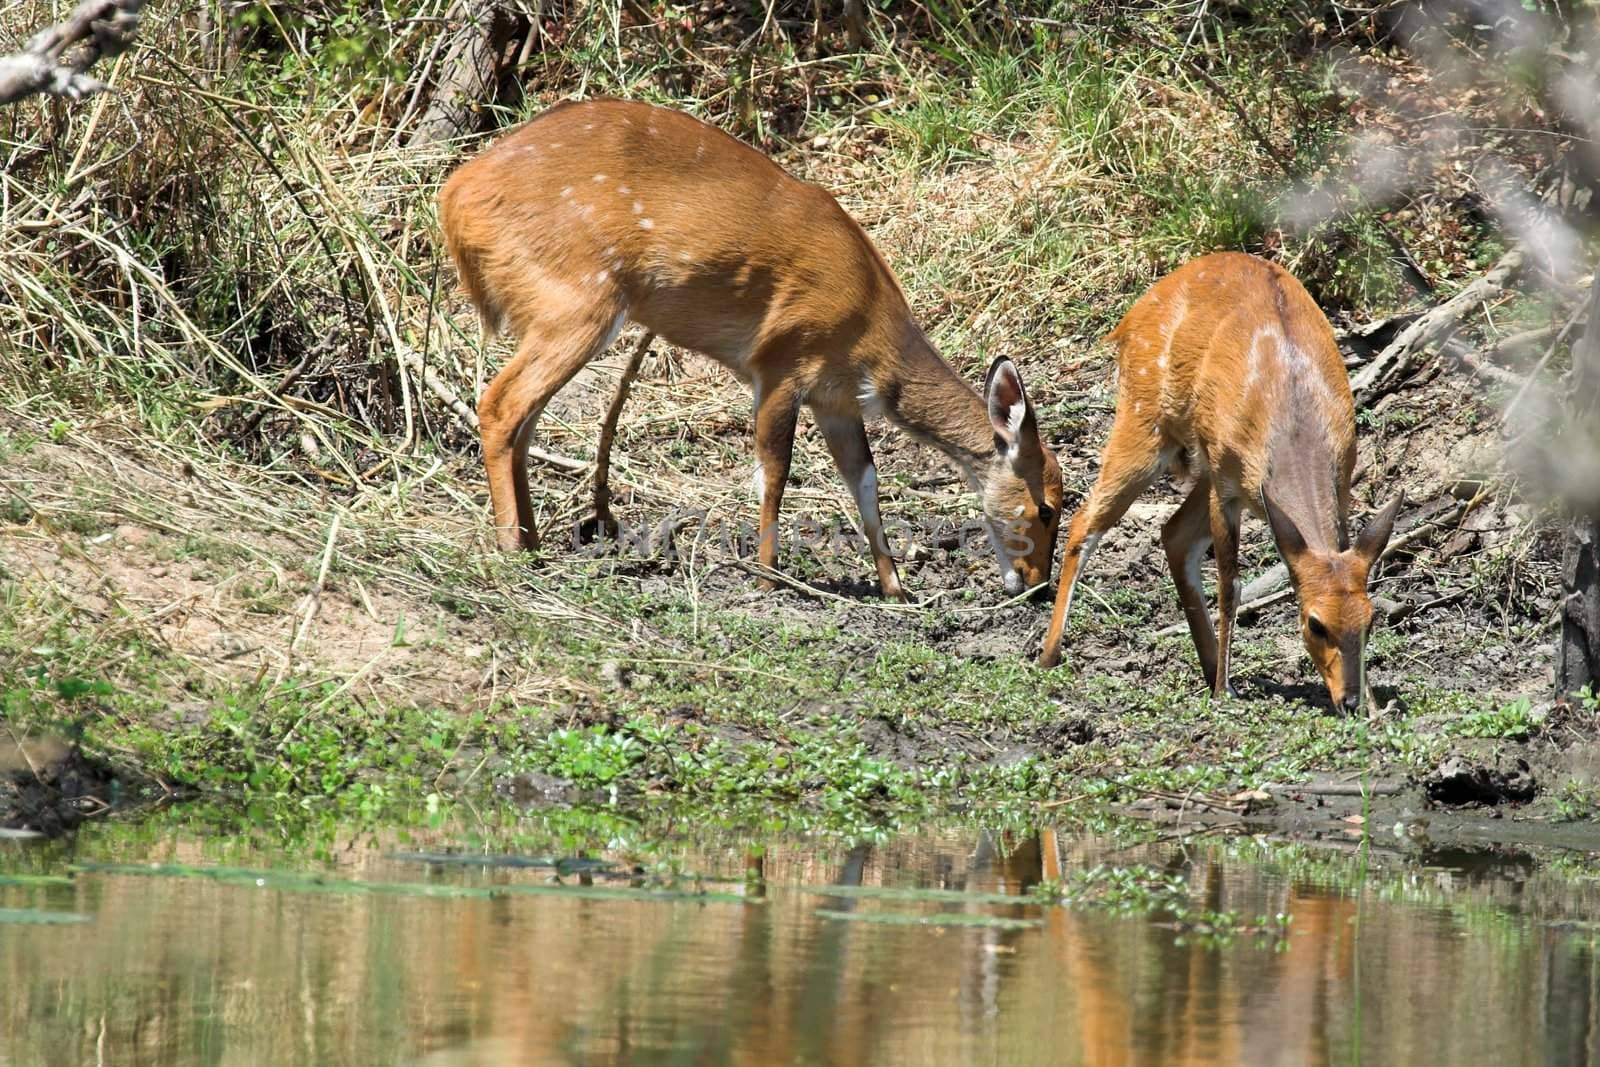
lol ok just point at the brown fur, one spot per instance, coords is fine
(598, 213)
(1228, 373)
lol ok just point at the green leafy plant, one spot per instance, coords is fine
(1514, 720)
(590, 757)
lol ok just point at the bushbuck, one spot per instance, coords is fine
(599, 213)
(1228, 374)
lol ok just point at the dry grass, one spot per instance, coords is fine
(213, 283)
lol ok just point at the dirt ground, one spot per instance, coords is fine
(113, 535)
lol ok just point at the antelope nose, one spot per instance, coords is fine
(1351, 703)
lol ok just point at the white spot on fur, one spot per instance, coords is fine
(683, 257)
(647, 224)
(638, 208)
(1090, 543)
(601, 277)
(1191, 566)
(599, 178)
(616, 329)
(867, 499)
(700, 150)
(588, 125)
(1257, 355)
(871, 403)
(623, 190)
(566, 191)
(1169, 329)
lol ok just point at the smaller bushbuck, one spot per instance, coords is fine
(599, 213)
(1227, 373)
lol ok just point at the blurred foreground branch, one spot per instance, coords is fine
(1578, 654)
(56, 58)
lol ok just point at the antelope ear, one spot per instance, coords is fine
(1375, 535)
(1010, 412)
(1287, 535)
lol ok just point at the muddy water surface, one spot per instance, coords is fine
(688, 946)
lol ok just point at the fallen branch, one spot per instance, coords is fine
(1401, 354)
(55, 59)
(1486, 370)
(1339, 789)
(467, 81)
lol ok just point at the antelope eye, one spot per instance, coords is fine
(1317, 628)
(1047, 514)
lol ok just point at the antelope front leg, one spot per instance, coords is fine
(847, 441)
(1128, 464)
(1080, 546)
(776, 411)
(549, 353)
(1185, 537)
(1225, 543)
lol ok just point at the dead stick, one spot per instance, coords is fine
(1340, 789)
(1397, 358)
(55, 60)
(314, 601)
(1538, 369)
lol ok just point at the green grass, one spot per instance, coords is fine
(724, 708)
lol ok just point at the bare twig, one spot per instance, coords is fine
(1549, 353)
(314, 599)
(1409, 265)
(56, 58)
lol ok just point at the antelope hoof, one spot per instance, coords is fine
(898, 594)
(512, 541)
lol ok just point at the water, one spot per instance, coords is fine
(1391, 959)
